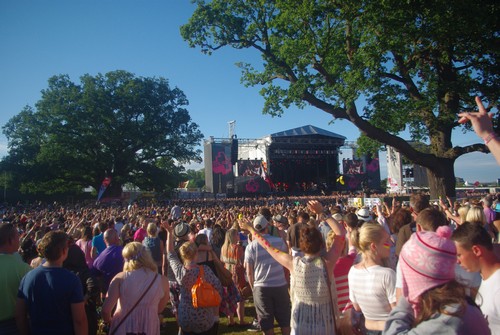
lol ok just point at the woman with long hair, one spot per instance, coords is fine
(155, 246)
(85, 244)
(126, 235)
(433, 301)
(476, 215)
(399, 218)
(372, 283)
(207, 256)
(232, 255)
(139, 294)
(313, 305)
(217, 240)
(203, 320)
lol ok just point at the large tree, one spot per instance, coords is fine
(133, 129)
(389, 67)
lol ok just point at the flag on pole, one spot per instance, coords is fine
(104, 185)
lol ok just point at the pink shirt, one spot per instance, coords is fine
(340, 273)
(140, 235)
(86, 247)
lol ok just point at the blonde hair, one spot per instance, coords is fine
(152, 229)
(136, 256)
(230, 240)
(365, 235)
(329, 243)
(476, 214)
(462, 213)
(188, 252)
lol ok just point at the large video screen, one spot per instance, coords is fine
(353, 166)
(249, 168)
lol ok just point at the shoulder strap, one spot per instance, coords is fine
(201, 273)
(135, 305)
(330, 293)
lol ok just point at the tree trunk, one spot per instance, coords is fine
(442, 179)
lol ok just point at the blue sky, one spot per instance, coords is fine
(39, 39)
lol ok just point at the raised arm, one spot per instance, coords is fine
(170, 235)
(483, 126)
(281, 257)
(333, 254)
(448, 213)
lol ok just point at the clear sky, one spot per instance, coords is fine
(39, 39)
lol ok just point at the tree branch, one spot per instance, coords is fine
(477, 147)
(393, 77)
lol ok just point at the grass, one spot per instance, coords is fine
(172, 328)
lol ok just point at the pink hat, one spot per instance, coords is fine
(427, 260)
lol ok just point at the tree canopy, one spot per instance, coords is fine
(133, 129)
(390, 67)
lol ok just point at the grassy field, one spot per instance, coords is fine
(170, 325)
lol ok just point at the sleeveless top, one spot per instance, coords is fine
(144, 318)
(153, 245)
(311, 305)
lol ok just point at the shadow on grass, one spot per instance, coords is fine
(171, 328)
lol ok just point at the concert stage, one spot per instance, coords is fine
(299, 160)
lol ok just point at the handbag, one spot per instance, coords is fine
(204, 294)
(239, 272)
(240, 280)
(351, 323)
(133, 307)
(241, 283)
(224, 275)
(246, 291)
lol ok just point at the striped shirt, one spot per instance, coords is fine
(267, 272)
(374, 290)
(340, 273)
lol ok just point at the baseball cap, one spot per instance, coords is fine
(260, 222)
(280, 218)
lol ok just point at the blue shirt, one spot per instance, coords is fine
(49, 294)
(98, 243)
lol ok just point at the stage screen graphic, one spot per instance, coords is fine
(249, 167)
(353, 166)
(362, 173)
(222, 168)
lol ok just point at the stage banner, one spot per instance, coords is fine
(371, 202)
(394, 175)
(104, 185)
(355, 202)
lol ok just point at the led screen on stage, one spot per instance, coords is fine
(353, 166)
(249, 168)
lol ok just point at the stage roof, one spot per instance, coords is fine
(307, 130)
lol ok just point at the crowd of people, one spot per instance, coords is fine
(314, 266)
(311, 265)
